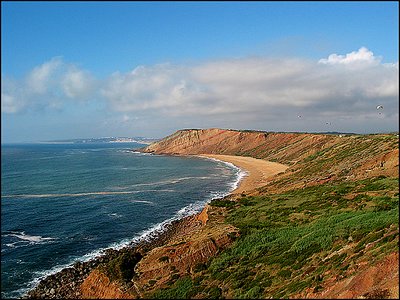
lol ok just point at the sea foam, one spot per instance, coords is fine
(29, 238)
(145, 235)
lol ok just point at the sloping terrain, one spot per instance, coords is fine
(314, 158)
(325, 228)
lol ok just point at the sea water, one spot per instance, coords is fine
(62, 203)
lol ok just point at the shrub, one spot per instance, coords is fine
(222, 203)
(214, 293)
(285, 273)
(121, 268)
(182, 289)
(199, 267)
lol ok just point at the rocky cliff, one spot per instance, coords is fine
(283, 147)
(192, 243)
(338, 180)
(314, 158)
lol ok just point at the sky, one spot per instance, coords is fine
(100, 69)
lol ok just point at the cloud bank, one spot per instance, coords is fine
(48, 86)
(254, 92)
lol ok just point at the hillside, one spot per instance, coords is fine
(325, 228)
(316, 231)
(314, 158)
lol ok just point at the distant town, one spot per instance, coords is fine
(140, 140)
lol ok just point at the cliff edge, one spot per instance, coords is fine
(326, 227)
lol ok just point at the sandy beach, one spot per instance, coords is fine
(258, 171)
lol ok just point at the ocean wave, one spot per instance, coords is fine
(115, 215)
(138, 153)
(145, 235)
(17, 244)
(102, 193)
(141, 201)
(173, 180)
(149, 233)
(25, 239)
(240, 173)
(69, 194)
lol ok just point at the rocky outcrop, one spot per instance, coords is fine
(98, 286)
(186, 251)
(192, 241)
(66, 283)
(379, 281)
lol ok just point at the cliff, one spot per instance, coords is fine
(285, 148)
(324, 228)
(314, 158)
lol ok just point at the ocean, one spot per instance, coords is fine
(62, 203)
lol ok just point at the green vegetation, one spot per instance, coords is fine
(222, 203)
(185, 288)
(338, 160)
(121, 268)
(290, 241)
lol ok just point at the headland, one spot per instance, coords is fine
(316, 215)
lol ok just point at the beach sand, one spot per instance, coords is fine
(258, 171)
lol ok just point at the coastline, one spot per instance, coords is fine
(258, 171)
(66, 283)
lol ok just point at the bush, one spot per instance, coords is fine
(182, 289)
(122, 267)
(214, 293)
(285, 273)
(199, 267)
(246, 202)
(222, 203)
(254, 293)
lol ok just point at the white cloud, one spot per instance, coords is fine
(262, 92)
(259, 87)
(39, 79)
(10, 95)
(77, 84)
(254, 92)
(144, 88)
(361, 57)
(49, 85)
(8, 104)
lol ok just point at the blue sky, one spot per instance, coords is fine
(93, 69)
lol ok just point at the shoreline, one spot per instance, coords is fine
(258, 171)
(66, 282)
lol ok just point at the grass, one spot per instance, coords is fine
(289, 241)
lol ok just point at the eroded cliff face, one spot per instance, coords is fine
(194, 242)
(98, 286)
(313, 158)
(282, 147)
(379, 281)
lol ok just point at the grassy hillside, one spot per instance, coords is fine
(297, 240)
(333, 212)
(317, 230)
